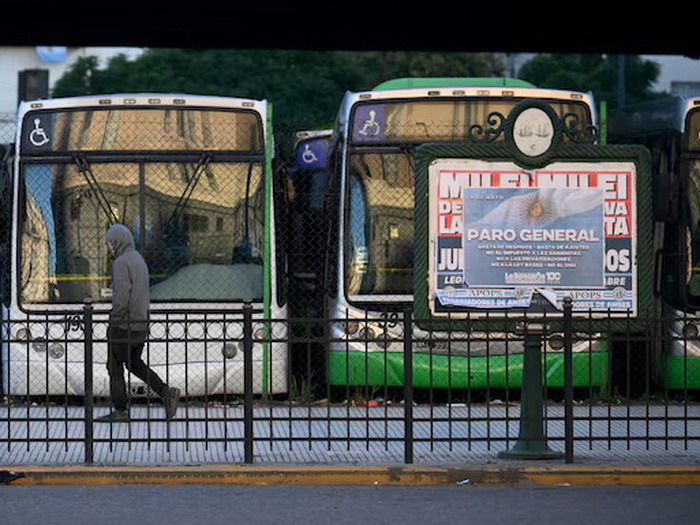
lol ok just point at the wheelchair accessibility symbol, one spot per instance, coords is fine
(308, 157)
(38, 136)
(370, 127)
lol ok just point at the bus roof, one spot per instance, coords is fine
(140, 100)
(399, 93)
(653, 116)
(422, 82)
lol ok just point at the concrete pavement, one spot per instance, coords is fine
(204, 447)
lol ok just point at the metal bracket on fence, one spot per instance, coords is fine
(89, 386)
(568, 382)
(532, 441)
(408, 385)
(248, 382)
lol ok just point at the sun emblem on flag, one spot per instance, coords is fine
(536, 210)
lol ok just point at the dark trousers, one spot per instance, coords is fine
(125, 350)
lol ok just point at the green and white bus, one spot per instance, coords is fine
(670, 129)
(191, 177)
(369, 281)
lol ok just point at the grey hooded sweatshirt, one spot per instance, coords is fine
(130, 282)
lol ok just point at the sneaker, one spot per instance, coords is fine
(117, 416)
(170, 401)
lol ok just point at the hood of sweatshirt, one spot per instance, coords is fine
(120, 239)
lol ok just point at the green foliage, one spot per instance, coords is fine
(594, 72)
(302, 391)
(305, 87)
(379, 66)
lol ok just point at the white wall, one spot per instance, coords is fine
(15, 59)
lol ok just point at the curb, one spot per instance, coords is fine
(236, 474)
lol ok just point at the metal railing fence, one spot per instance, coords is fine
(300, 389)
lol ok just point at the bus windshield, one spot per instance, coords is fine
(380, 183)
(379, 237)
(198, 224)
(693, 273)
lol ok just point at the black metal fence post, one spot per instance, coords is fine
(568, 383)
(89, 386)
(248, 382)
(408, 385)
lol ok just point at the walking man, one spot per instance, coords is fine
(128, 326)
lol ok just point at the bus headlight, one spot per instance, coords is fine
(366, 334)
(690, 331)
(23, 334)
(350, 327)
(383, 342)
(556, 342)
(346, 328)
(39, 345)
(56, 350)
(229, 350)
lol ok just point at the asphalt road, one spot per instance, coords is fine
(345, 504)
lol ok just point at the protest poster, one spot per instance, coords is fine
(501, 235)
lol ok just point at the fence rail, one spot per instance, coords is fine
(603, 394)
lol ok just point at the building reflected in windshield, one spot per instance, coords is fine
(198, 222)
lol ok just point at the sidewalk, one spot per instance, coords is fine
(204, 445)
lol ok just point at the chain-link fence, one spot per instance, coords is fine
(304, 377)
(7, 127)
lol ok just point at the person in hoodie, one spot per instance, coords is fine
(128, 326)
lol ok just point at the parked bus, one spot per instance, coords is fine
(308, 181)
(670, 128)
(190, 176)
(369, 279)
(307, 175)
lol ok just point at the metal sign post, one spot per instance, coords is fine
(533, 221)
(532, 440)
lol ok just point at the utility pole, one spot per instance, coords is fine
(621, 80)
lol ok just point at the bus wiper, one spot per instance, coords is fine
(187, 193)
(244, 252)
(425, 128)
(85, 170)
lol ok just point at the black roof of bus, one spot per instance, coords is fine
(645, 118)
